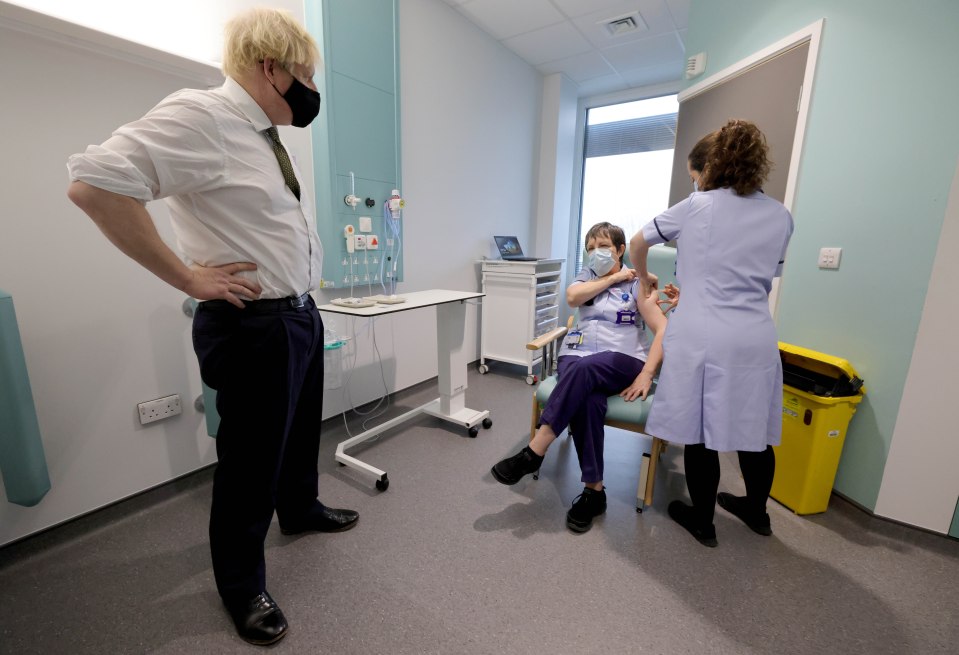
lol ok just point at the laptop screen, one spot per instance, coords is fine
(508, 247)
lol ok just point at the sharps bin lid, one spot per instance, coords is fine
(819, 373)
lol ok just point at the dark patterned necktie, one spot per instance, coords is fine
(285, 166)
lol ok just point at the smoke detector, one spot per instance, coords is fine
(623, 24)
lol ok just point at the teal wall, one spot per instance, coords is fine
(880, 153)
(358, 129)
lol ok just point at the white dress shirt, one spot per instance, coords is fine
(207, 155)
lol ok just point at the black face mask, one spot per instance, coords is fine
(304, 102)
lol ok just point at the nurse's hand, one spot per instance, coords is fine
(639, 388)
(671, 291)
(650, 281)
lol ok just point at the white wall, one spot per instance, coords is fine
(917, 487)
(556, 152)
(469, 130)
(101, 334)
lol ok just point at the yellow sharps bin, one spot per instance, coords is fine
(820, 394)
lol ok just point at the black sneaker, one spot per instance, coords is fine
(685, 516)
(736, 505)
(512, 469)
(586, 506)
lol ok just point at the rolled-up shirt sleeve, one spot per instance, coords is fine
(173, 150)
(666, 226)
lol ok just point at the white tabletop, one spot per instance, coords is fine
(414, 300)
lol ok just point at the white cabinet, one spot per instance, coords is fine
(521, 303)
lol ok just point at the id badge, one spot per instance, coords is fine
(574, 338)
(625, 317)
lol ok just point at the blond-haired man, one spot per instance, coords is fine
(252, 256)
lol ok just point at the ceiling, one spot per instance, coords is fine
(572, 37)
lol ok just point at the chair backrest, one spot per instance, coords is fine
(662, 263)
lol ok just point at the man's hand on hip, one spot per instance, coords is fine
(223, 283)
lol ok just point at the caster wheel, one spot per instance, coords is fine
(530, 379)
(639, 510)
(487, 423)
(483, 369)
(536, 475)
(473, 432)
(383, 483)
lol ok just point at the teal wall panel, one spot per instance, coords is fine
(363, 45)
(879, 157)
(358, 128)
(364, 119)
(23, 464)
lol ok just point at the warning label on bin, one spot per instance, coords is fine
(791, 405)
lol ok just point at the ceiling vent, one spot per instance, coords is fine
(624, 25)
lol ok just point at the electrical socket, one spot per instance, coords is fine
(160, 408)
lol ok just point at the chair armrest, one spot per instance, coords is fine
(544, 339)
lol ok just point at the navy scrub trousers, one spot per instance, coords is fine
(579, 401)
(266, 364)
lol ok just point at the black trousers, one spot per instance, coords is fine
(266, 364)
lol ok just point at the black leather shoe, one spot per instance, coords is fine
(322, 519)
(512, 469)
(683, 514)
(736, 505)
(260, 620)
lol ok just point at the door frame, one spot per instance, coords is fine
(813, 34)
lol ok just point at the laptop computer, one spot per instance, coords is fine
(510, 250)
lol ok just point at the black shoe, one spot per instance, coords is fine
(736, 505)
(586, 506)
(322, 519)
(684, 515)
(512, 469)
(260, 620)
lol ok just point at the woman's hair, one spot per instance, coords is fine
(736, 158)
(697, 156)
(613, 232)
(265, 33)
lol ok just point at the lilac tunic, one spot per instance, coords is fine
(721, 378)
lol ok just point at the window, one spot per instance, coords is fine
(628, 158)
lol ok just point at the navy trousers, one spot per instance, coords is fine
(267, 368)
(579, 402)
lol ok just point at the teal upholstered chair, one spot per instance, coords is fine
(629, 416)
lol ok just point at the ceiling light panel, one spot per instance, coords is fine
(577, 8)
(503, 19)
(579, 68)
(548, 44)
(654, 51)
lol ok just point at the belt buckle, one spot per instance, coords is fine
(298, 302)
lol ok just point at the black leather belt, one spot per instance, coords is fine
(268, 306)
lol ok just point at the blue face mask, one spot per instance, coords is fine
(601, 261)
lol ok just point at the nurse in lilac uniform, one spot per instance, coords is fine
(720, 388)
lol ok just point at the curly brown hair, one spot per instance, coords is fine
(738, 158)
(697, 156)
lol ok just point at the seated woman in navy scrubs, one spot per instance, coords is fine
(608, 352)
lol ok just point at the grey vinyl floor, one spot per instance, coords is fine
(448, 561)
